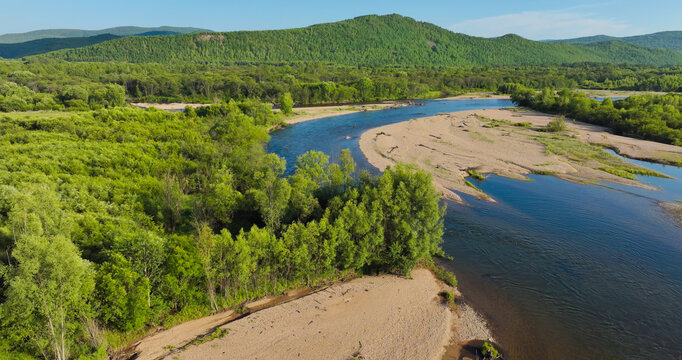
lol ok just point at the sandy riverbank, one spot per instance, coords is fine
(373, 317)
(477, 96)
(492, 141)
(301, 114)
(168, 107)
(617, 93)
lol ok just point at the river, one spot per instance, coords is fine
(560, 270)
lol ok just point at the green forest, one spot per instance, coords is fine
(59, 85)
(651, 117)
(662, 40)
(389, 40)
(115, 220)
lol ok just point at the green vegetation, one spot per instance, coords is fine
(74, 33)
(469, 184)
(489, 351)
(662, 40)
(216, 334)
(443, 274)
(652, 117)
(48, 84)
(449, 298)
(522, 124)
(556, 125)
(286, 103)
(542, 172)
(582, 152)
(40, 46)
(618, 172)
(116, 220)
(475, 175)
(390, 40)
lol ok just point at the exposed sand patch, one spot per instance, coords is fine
(450, 144)
(382, 317)
(301, 114)
(168, 107)
(162, 342)
(617, 93)
(478, 95)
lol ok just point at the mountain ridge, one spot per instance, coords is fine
(13, 38)
(671, 40)
(371, 40)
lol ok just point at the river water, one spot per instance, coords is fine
(560, 270)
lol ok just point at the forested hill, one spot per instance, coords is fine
(366, 40)
(72, 33)
(41, 46)
(662, 40)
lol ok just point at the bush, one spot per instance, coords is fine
(444, 275)
(489, 351)
(556, 125)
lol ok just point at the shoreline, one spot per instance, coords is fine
(344, 320)
(308, 113)
(507, 142)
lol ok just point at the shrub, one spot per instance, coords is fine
(556, 125)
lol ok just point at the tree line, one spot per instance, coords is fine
(119, 219)
(55, 85)
(388, 40)
(651, 117)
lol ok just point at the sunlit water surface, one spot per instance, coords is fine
(561, 270)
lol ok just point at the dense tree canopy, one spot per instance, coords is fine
(653, 117)
(388, 40)
(120, 218)
(42, 85)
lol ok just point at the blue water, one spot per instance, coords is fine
(561, 270)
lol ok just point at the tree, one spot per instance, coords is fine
(286, 103)
(145, 251)
(121, 295)
(272, 196)
(173, 198)
(413, 219)
(223, 197)
(49, 285)
(48, 291)
(207, 251)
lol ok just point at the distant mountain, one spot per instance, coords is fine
(40, 46)
(661, 40)
(367, 40)
(73, 33)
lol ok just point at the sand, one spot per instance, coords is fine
(301, 114)
(373, 317)
(477, 96)
(169, 107)
(161, 343)
(617, 93)
(448, 145)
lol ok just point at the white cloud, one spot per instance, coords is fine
(542, 25)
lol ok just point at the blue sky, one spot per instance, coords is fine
(533, 19)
